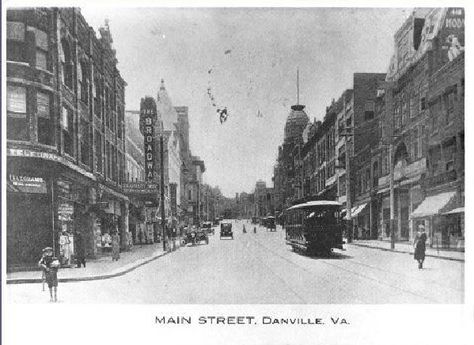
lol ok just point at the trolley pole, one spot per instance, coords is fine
(162, 192)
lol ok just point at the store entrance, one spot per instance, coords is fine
(29, 227)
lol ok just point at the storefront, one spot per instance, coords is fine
(443, 219)
(49, 202)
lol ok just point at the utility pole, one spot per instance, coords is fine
(162, 191)
(348, 191)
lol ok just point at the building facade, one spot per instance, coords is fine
(65, 134)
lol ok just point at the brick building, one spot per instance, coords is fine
(65, 134)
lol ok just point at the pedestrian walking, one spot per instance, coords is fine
(80, 250)
(420, 246)
(115, 246)
(50, 265)
(254, 229)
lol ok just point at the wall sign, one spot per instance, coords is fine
(28, 184)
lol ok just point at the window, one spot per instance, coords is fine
(66, 63)
(369, 110)
(43, 109)
(342, 185)
(436, 109)
(97, 97)
(68, 130)
(17, 121)
(367, 179)
(404, 110)
(120, 123)
(375, 174)
(450, 99)
(98, 152)
(415, 144)
(189, 195)
(422, 103)
(396, 115)
(42, 48)
(84, 142)
(16, 46)
(83, 76)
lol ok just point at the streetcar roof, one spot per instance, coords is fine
(315, 203)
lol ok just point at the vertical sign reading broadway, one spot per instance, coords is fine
(147, 126)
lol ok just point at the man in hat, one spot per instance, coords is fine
(50, 266)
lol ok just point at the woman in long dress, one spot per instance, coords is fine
(420, 246)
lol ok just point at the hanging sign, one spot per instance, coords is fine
(148, 117)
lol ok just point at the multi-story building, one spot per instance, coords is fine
(364, 138)
(65, 133)
(425, 109)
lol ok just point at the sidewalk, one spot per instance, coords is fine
(101, 268)
(401, 247)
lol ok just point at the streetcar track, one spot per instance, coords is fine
(351, 272)
(301, 268)
(276, 275)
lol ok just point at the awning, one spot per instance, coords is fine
(456, 210)
(433, 205)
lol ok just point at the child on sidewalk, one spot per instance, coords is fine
(50, 266)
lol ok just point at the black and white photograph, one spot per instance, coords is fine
(283, 162)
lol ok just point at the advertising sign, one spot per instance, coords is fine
(148, 117)
(452, 34)
(140, 188)
(28, 184)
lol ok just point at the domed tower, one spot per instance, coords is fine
(297, 120)
(295, 124)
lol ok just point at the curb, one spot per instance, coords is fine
(405, 252)
(96, 277)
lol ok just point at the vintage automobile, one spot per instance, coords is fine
(208, 227)
(226, 230)
(196, 236)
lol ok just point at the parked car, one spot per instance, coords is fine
(196, 236)
(208, 227)
(226, 230)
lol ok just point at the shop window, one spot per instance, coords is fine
(68, 130)
(17, 121)
(83, 76)
(84, 142)
(43, 109)
(16, 46)
(98, 152)
(66, 64)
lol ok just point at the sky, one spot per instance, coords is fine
(246, 58)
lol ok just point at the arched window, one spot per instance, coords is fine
(66, 63)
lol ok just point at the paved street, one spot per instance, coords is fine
(260, 268)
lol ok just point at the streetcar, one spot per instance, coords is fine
(314, 227)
